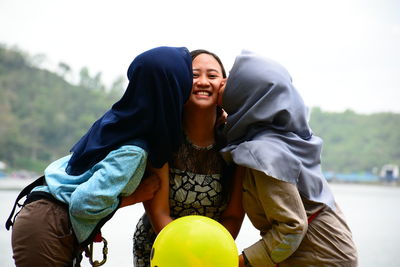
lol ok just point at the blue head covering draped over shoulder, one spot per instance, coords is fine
(148, 115)
(267, 127)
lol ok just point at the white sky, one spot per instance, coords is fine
(342, 54)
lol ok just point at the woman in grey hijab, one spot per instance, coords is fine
(285, 194)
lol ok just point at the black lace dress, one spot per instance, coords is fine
(196, 184)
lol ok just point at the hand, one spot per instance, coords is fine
(222, 118)
(145, 191)
(241, 261)
(147, 188)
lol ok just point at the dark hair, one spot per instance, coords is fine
(197, 52)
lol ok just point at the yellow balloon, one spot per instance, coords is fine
(194, 241)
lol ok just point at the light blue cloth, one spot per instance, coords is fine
(95, 194)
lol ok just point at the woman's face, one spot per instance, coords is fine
(207, 81)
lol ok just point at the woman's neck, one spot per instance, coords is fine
(199, 125)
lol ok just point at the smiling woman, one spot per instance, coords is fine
(196, 181)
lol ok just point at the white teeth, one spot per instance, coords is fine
(203, 93)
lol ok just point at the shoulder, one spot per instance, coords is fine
(126, 155)
(127, 150)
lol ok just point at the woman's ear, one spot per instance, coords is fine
(223, 83)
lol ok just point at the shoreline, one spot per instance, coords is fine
(13, 183)
(10, 183)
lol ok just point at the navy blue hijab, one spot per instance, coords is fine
(148, 115)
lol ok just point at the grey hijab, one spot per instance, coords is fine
(267, 127)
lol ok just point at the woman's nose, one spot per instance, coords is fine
(202, 80)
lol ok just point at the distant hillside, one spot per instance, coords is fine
(356, 142)
(42, 116)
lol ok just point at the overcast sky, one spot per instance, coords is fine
(342, 54)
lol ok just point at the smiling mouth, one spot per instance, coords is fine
(202, 93)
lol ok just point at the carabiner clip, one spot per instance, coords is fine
(89, 254)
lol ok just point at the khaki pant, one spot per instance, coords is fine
(42, 236)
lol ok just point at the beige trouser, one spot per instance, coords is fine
(42, 236)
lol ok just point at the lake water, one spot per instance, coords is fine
(372, 212)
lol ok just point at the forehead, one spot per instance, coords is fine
(206, 62)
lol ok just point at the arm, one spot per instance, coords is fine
(241, 261)
(157, 208)
(282, 205)
(99, 196)
(233, 215)
(145, 191)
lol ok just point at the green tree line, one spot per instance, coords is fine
(357, 142)
(42, 115)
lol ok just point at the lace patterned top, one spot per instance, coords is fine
(196, 184)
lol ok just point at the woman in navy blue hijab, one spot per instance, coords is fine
(80, 192)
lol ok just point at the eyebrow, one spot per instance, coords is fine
(208, 70)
